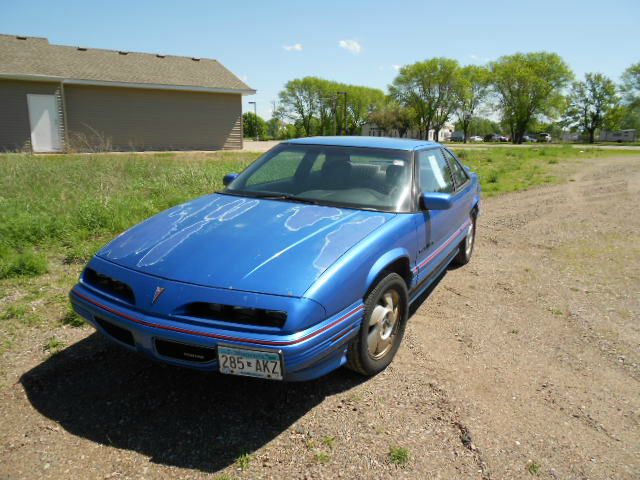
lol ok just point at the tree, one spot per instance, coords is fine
(275, 127)
(249, 125)
(392, 117)
(629, 111)
(590, 102)
(430, 89)
(479, 126)
(631, 85)
(529, 85)
(473, 89)
(314, 105)
(299, 101)
(361, 101)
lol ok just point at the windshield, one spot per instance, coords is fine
(366, 178)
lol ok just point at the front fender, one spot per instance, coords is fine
(387, 259)
(348, 279)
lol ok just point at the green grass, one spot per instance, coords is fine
(503, 170)
(321, 457)
(328, 441)
(243, 461)
(399, 456)
(72, 204)
(533, 468)
(67, 206)
(53, 345)
(70, 317)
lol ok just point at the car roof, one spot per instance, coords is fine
(365, 142)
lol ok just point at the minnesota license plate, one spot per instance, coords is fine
(250, 362)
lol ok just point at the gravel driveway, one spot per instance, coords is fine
(524, 363)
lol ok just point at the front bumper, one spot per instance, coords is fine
(306, 354)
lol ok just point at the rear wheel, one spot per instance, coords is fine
(382, 328)
(466, 246)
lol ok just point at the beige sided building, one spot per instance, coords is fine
(58, 98)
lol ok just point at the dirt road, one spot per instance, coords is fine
(524, 363)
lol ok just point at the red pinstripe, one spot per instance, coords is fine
(222, 337)
(442, 247)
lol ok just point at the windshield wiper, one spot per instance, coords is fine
(291, 198)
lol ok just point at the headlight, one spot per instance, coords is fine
(233, 314)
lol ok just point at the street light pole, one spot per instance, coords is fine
(255, 119)
(345, 111)
(335, 114)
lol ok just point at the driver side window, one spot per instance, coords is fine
(434, 173)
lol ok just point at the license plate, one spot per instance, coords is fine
(250, 362)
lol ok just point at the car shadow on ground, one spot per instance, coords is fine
(175, 416)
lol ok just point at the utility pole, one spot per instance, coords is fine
(346, 132)
(335, 114)
(255, 120)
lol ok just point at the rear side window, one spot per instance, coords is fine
(434, 172)
(459, 175)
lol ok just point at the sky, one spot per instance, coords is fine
(266, 43)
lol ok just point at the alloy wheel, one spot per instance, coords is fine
(382, 324)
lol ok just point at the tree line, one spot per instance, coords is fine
(520, 91)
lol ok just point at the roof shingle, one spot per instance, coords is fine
(27, 56)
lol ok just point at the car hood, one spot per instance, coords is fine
(248, 244)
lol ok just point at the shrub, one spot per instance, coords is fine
(399, 455)
(25, 264)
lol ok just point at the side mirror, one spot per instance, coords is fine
(228, 178)
(436, 201)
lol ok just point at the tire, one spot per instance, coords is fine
(385, 327)
(465, 249)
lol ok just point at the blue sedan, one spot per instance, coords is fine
(305, 262)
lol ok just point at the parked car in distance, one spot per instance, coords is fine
(306, 261)
(457, 136)
(475, 138)
(527, 138)
(544, 138)
(494, 137)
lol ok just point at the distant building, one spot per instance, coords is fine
(571, 137)
(629, 135)
(372, 130)
(55, 98)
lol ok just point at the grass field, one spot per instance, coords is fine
(69, 205)
(57, 210)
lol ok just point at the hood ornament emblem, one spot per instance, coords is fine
(156, 294)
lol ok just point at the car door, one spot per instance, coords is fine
(463, 193)
(434, 227)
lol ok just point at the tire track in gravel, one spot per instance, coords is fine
(529, 355)
(446, 406)
(536, 349)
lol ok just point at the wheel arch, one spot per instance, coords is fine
(394, 261)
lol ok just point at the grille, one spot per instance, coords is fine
(182, 351)
(228, 313)
(121, 334)
(108, 285)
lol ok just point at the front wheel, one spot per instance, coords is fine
(382, 328)
(466, 246)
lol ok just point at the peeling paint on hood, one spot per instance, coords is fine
(249, 244)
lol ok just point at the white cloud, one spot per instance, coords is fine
(396, 67)
(351, 46)
(296, 47)
(478, 58)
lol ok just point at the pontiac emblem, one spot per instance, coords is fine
(156, 294)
